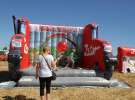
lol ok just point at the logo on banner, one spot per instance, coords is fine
(89, 50)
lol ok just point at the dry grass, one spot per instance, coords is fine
(32, 93)
(128, 78)
(69, 94)
(93, 94)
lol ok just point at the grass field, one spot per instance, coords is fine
(74, 93)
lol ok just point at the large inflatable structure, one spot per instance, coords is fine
(126, 60)
(82, 44)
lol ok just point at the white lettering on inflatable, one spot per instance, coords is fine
(89, 50)
(26, 49)
(24, 39)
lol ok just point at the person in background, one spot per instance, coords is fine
(44, 73)
(70, 57)
(35, 58)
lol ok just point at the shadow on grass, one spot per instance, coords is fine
(5, 76)
(17, 97)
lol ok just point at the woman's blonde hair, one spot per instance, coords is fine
(45, 49)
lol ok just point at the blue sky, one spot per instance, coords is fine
(116, 18)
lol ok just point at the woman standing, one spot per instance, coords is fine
(44, 73)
